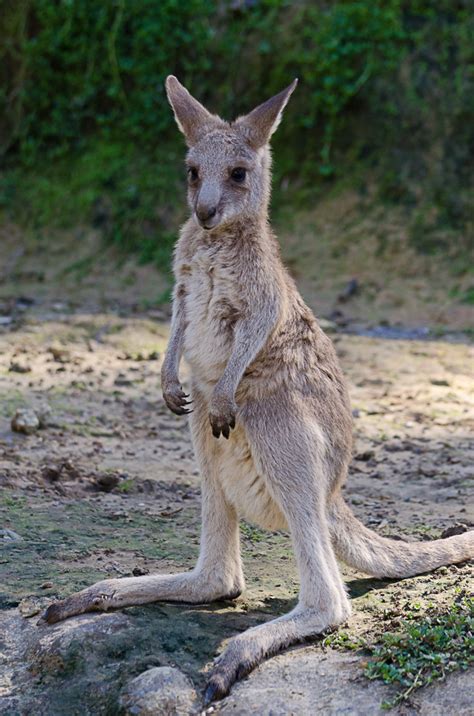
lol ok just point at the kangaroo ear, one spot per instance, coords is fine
(262, 121)
(191, 117)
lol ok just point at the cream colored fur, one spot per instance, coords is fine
(271, 420)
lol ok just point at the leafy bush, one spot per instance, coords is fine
(387, 84)
(89, 67)
(85, 67)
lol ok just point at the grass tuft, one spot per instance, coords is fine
(424, 650)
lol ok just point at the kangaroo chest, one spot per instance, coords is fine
(212, 307)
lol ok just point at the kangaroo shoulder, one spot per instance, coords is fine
(185, 246)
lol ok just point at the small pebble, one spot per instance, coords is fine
(19, 367)
(8, 535)
(457, 529)
(25, 421)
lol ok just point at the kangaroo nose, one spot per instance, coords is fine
(205, 213)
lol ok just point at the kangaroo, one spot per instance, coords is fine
(271, 422)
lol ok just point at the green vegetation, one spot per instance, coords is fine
(252, 533)
(344, 641)
(126, 486)
(386, 98)
(428, 645)
(424, 650)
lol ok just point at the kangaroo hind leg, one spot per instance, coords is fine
(289, 452)
(218, 572)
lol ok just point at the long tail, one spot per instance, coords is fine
(368, 552)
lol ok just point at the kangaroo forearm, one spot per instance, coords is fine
(240, 359)
(175, 344)
(174, 352)
(250, 338)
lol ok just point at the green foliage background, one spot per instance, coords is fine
(387, 92)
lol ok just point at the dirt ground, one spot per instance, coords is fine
(109, 487)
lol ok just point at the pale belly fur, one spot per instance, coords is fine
(207, 348)
(244, 487)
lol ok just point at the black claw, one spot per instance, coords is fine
(52, 614)
(176, 402)
(226, 432)
(173, 408)
(232, 423)
(216, 432)
(212, 693)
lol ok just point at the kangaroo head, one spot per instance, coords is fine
(228, 163)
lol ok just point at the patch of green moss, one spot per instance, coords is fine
(60, 542)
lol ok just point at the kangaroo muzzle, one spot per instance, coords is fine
(207, 207)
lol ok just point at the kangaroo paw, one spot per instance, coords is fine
(90, 600)
(232, 666)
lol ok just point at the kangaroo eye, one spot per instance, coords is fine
(238, 174)
(193, 174)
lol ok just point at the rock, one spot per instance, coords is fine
(457, 529)
(25, 421)
(364, 456)
(5, 320)
(107, 481)
(51, 473)
(118, 515)
(339, 318)
(66, 644)
(327, 326)
(44, 416)
(74, 667)
(24, 302)
(161, 691)
(440, 381)
(19, 367)
(122, 381)
(30, 606)
(8, 535)
(140, 571)
(60, 354)
(351, 288)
